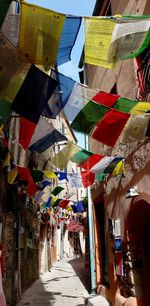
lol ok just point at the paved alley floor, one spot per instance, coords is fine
(63, 286)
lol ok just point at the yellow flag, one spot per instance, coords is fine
(68, 208)
(98, 35)
(61, 159)
(40, 31)
(118, 169)
(140, 108)
(11, 175)
(6, 162)
(53, 200)
(49, 174)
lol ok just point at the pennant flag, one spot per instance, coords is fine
(37, 175)
(75, 180)
(80, 95)
(98, 35)
(40, 31)
(135, 129)
(33, 94)
(63, 204)
(61, 159)
(81, 157)
(118, 169)
(67, 40)
(130, 37)
(49, 174)
(80, 206)
(90, 114)
(100, 167)
(105, 98)
(57, 190)
(10, 26)
(94, 159)
(60, 96)
(62, 176)
(5, 111)
(125, 105)
(110, 127)
(11, 175)
(45, 136)
(4, 6)
(27, 128)
(87, 178)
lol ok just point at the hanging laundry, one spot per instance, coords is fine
(57, 190)
(45, 136)
(34, 94)
(130, 37)
(40, 31)
(68, 38)
(60, 95)
(98, 35)
(61, 159)
(110, 127)
(87, 178)
(87, 118)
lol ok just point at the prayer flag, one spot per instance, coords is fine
(105, 98)
(45, 136)
(60, 96)
(100, 177)
(27, 128)
(49, 174)
(40, 31)
(33, 94)
(57, 190)
(61, 159)
(56, 202)
(87, 178)
(62, 176)
(11, 175)
(75, 180)
(135, 129)
(140, 108)
(67, 40)
(110, 127)
(125, 105)
(100, 167)
(93, 160)
(90, 114)
(5, 111)
(63, 204)
(37, 175)
(80, 206)
(130, 37)
(110, 168)
(31, 188)
(98, 35)
(4, 5)
(74, 208)
(6, 162)
(118, 169)
(44, 184)
(80, 95)
(81, 157)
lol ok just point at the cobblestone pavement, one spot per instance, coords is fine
(60, 287)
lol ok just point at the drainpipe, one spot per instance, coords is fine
(91, 235)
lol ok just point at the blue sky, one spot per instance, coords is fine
(78, 8)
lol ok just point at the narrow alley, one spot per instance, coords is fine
(66, 284)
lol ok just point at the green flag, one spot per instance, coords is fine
(124, 105)
(4, 5)
(81, 157)
(57, 190)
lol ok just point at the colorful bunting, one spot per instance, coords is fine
(40, 31)
(61, 159)
(33, 94)
(57, 190)
(98, 35)
(87, 178)
(45, 136)
(67, 40)
(90, 114)
(110, 127)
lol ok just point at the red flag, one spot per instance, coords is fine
(94, 159)
(110, 127)
(64, 203)
(87, 178)
(27, 128)
(31, 188)
(25, 175)
(105, 98)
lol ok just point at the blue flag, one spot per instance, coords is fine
(62, 176)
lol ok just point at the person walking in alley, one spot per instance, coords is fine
(2, 296)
